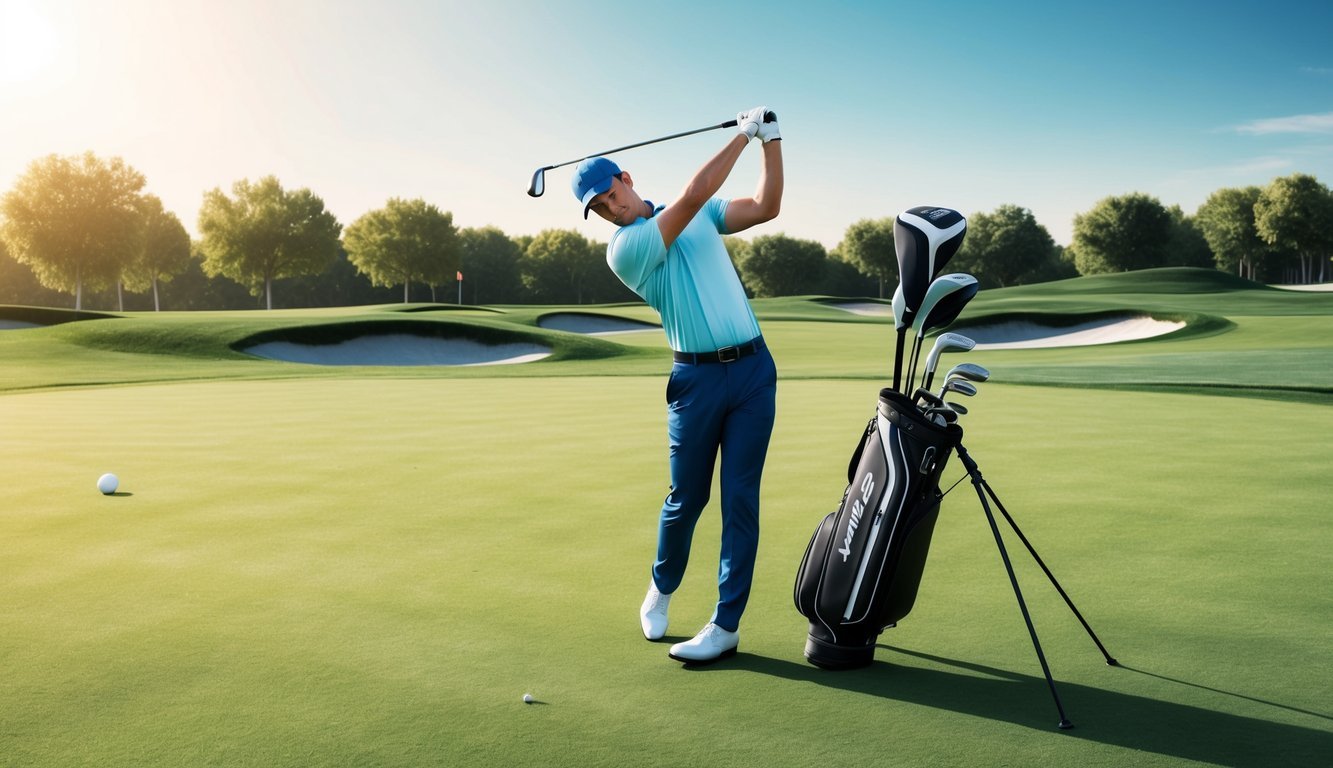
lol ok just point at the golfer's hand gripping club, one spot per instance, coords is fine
(748, 122)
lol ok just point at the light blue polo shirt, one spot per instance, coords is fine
(692, 285)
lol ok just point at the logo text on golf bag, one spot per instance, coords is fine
(854, 519)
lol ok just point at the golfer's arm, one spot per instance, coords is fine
(745, 212)
(706, 182)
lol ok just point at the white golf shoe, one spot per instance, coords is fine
(712, 643)
(653, 613)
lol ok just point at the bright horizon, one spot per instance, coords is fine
(883, 106)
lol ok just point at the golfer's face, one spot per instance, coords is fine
(618, 205)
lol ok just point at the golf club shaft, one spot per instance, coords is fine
(682, 134)
(898, 359)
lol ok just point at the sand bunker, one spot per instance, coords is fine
(1320, 287)
(1028, 335)
(592, 325)
(866, 308)
(400, 349)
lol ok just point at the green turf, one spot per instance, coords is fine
(370, 567)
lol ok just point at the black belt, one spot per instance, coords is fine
(724, 355)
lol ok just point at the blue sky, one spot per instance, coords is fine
(971, 105)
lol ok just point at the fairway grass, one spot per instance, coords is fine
(374, 571)
(370, 566)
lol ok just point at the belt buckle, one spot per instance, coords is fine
(728, 354)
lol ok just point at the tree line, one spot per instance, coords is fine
(83, 226)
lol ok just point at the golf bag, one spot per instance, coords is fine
(862, 568)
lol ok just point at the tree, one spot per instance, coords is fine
(490, 266)
(1006, 247)
(1123, 233)
(1295, 213)
(868, 246)
(265, 233)
(74, 220)
(1226, 219)
(778, 265)
(164, 250)
(557, 266)
(405, 240)
(1187, 246)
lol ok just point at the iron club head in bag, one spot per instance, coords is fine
(969, 371)
(964, 388)
(943, 302)
(945, 342)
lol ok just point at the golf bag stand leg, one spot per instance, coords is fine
(978, 483)
(1110, 660)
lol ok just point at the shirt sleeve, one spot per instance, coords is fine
(717, 213)
(635, 251)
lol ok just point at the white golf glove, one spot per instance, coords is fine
(769, 131)
(748, 122)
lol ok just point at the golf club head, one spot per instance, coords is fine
(926, 396)
(945, 342)
(902, 316)
(538, 185)
(969, 371)
(942, 416)
(964, 388)
(925, 238)
(944, 301)
(957, 408)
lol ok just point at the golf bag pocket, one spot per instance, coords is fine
(862, 567)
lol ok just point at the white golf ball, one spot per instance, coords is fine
(108, 483)
(527, 698)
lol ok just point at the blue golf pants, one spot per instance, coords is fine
(712, 407)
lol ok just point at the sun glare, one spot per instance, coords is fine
(27, 42)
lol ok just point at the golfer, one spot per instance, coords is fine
(721, 392)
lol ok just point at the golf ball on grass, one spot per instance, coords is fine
(107, 484)
(527, 698)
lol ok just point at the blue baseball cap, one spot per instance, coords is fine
(592, 177)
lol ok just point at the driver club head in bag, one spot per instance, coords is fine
(925, 238)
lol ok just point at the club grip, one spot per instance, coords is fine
(769, 117)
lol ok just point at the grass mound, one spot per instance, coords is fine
(1165, 280)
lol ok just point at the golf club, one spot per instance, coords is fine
(924, 238)
(964, 388)
(926, 396)
(969, 371)
(942, 416)
(945, 342)
(902, 320)
(953, 410)
(942, 304)
(538, 185)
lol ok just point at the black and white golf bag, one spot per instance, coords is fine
(861, 571)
